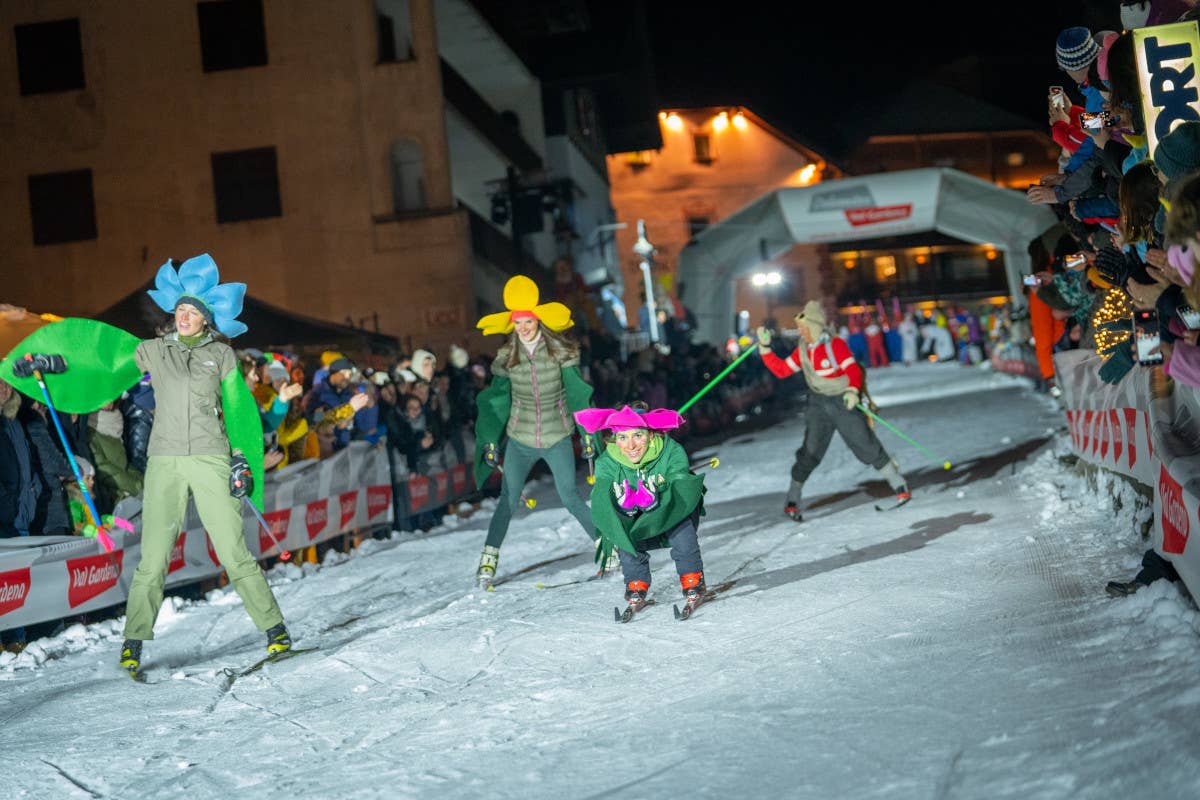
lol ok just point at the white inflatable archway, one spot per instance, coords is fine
(867, 207)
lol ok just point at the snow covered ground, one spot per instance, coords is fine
(959, 647)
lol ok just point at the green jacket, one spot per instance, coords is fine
(112, 466)
(664, 466)
(187, 395)
(531, 403)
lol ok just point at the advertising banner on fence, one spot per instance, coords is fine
(1148, 428)
(50, 577)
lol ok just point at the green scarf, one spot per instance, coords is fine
(653, 451)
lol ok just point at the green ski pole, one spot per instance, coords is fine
(716, 380)
(862, 407)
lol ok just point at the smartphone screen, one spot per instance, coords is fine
(1031, 280)
(1145, 334)
(1190, 317)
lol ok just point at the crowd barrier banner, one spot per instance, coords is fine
(1147, 427)
(45, 578)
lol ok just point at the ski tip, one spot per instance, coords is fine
(616, 614)
(678, 613)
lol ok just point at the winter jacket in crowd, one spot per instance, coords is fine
(333, 399)
(51, 469)
(113, 472)
(19, 487)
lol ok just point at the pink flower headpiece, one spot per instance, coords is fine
(659, 419)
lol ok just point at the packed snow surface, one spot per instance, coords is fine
(961, 646)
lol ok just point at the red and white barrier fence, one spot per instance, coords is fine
(45, 578)
(1147, 428)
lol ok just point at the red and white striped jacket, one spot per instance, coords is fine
(842, 362)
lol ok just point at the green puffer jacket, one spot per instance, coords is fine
(532, 403)
(665, 467)
(187, 395)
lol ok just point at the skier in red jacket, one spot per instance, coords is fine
(835, 383)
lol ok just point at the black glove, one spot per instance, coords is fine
(1113, 266)
(490, 456)
(241, 480)
(46, 364)
(589, 449)
(1118, 365)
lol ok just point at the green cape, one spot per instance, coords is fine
(679, 493)
(495, 402)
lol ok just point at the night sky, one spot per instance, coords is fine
(823, 68)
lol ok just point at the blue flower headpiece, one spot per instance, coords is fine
(198, 283)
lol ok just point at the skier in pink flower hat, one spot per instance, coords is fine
(646, 497)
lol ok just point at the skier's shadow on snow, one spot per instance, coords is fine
(924, 531)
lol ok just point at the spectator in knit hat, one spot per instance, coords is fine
(424, 363)
(1076, 51)
(337, 393)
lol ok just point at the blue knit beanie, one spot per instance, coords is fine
(1075, 48)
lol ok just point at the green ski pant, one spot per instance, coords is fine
(164, 503)
(518, 461)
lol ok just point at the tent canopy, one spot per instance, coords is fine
(270, 327)
(867, 207)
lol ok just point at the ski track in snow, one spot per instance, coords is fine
(961, 646)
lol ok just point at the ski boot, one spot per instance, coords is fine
(694, 593)
(635, 596)
(278, 640)
(903, 495)
(488, 561)
(793, 511)
(131, 657)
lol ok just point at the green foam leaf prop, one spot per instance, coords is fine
(99, 358)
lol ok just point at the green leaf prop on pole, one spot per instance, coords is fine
(99, 364)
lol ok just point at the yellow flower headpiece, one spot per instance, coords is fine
(521, 294)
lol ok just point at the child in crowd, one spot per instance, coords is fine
(646, 497)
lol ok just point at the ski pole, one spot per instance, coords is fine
(862, 407)
(101, 535)
(716, 380)
(284, 554)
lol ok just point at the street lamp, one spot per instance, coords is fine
(645, 251)
(769, 282)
